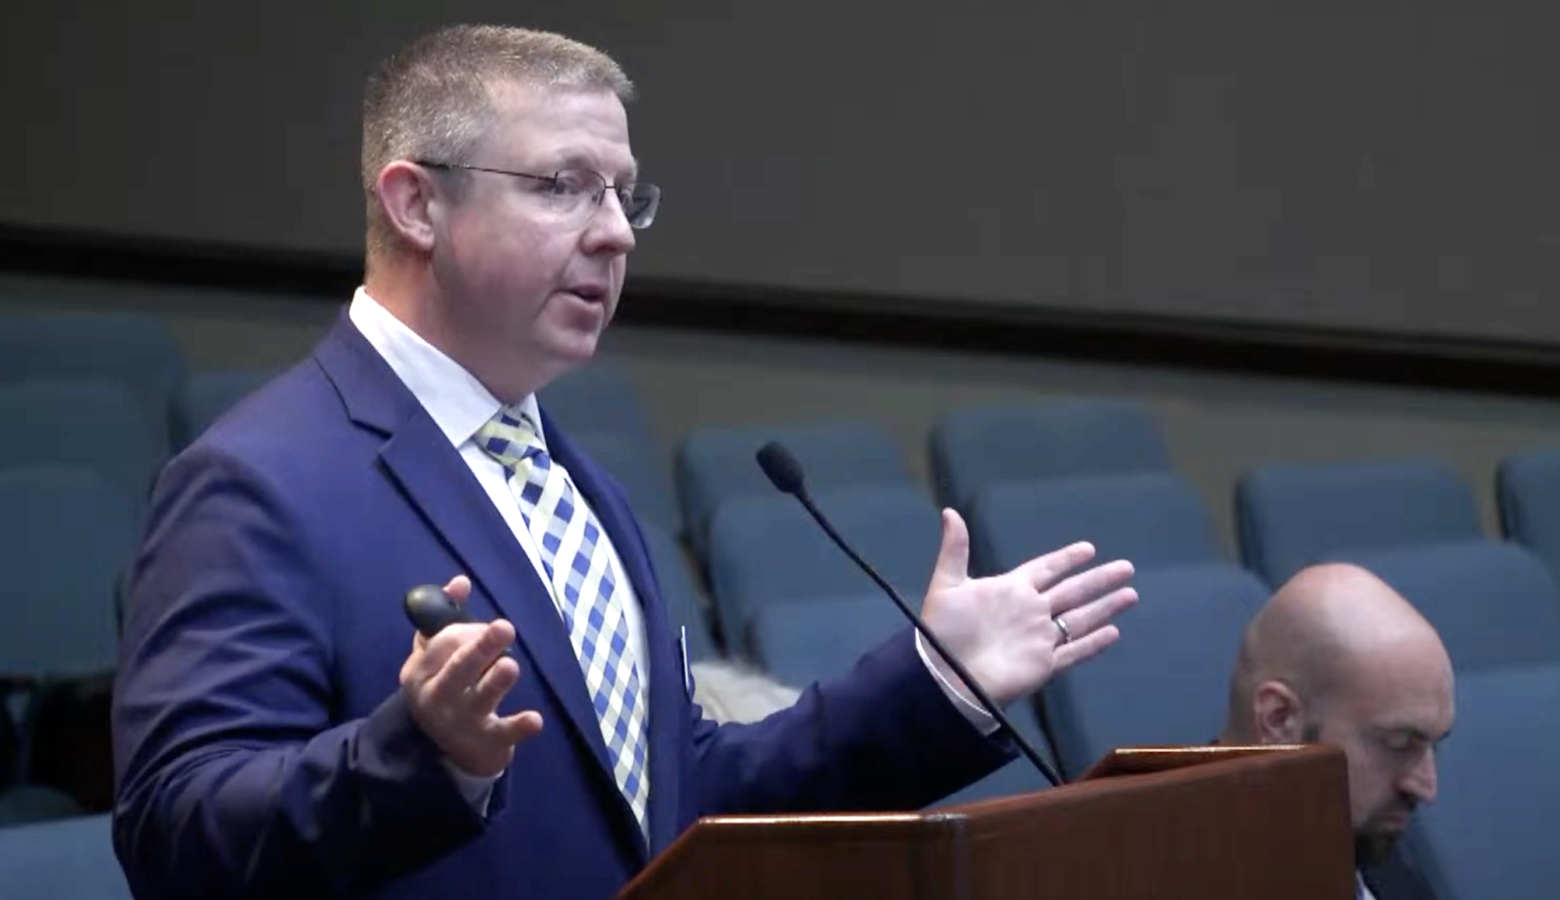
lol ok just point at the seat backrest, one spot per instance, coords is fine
(716, 465)
(974, 448)
(1166, 680)
(766, 549)
(598, 398)
(67, 538)
(1527, 488)
(803, 641)
(95, 424)
(131, 349)
(1493, 602)
(27, 803)
(64, 859)
(1291, 515)
(640, 468)
(1490, 831)
(1153, 519)
(206, 396)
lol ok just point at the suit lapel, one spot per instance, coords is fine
(436, 480)
(667, 703)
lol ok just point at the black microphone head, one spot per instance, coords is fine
(781, 467)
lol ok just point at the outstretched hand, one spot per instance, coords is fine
(1003, 629)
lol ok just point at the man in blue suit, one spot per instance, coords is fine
(281, 732)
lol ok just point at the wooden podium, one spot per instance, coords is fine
(1201, 823)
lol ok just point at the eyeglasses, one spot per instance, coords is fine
(575, 194)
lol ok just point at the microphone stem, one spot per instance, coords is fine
(986, 702)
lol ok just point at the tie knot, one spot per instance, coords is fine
(509, 437)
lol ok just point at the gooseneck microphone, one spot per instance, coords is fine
(786, 474)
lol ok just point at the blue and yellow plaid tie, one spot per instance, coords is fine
(569, 539)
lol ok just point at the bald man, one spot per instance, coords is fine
(1338, 657)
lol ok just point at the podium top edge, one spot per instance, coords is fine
(834, 818)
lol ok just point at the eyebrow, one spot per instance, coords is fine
(1416, 733)
(577, 160)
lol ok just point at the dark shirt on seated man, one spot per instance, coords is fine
(1338, 657)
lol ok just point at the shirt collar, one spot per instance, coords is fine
(458, 403)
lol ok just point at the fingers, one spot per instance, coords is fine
(514, 728)
(459, 588)
(1044, 571)
(471, 655)
(1076, 651)
(1091, 617)
(1088, 585)
(494, 684)
(953, 555)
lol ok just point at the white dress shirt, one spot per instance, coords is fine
(460, 405)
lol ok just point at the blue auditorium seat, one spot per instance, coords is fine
(1494, 603)
(131, 349)
(802, 641)
(67, 859)
(974, 448)
(1153, 519)
(67, 536)
(641, 470)
(600, 397)
(27, 803)
(1291, 515)
(765, 549)
(716, 464)
(1527, 486)
(206, 396)
(1166, 680)
(96, 424)
(1491, 830)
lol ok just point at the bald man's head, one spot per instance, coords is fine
(1337, 656)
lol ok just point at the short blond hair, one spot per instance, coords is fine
(434, 99)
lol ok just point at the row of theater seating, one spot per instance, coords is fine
(1488, 834)
(100, 400)
(78, 444)
(89, 441)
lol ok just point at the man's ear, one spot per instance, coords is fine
(1278, 714)
(411, 201)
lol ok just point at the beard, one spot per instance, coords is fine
(1372, 847)
(1374, 842)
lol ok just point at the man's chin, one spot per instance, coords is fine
(1375, 846)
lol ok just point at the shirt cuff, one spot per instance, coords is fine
(476, 789)
(983, 721)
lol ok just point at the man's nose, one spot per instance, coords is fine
(1420, 781)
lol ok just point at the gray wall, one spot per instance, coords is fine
(1217, 425)
(1380, 165)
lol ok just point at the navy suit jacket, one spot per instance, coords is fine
(262, 745)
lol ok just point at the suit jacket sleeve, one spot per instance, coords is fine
(882, 737)
(234, 778)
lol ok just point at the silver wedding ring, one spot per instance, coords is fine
(1062, 627)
